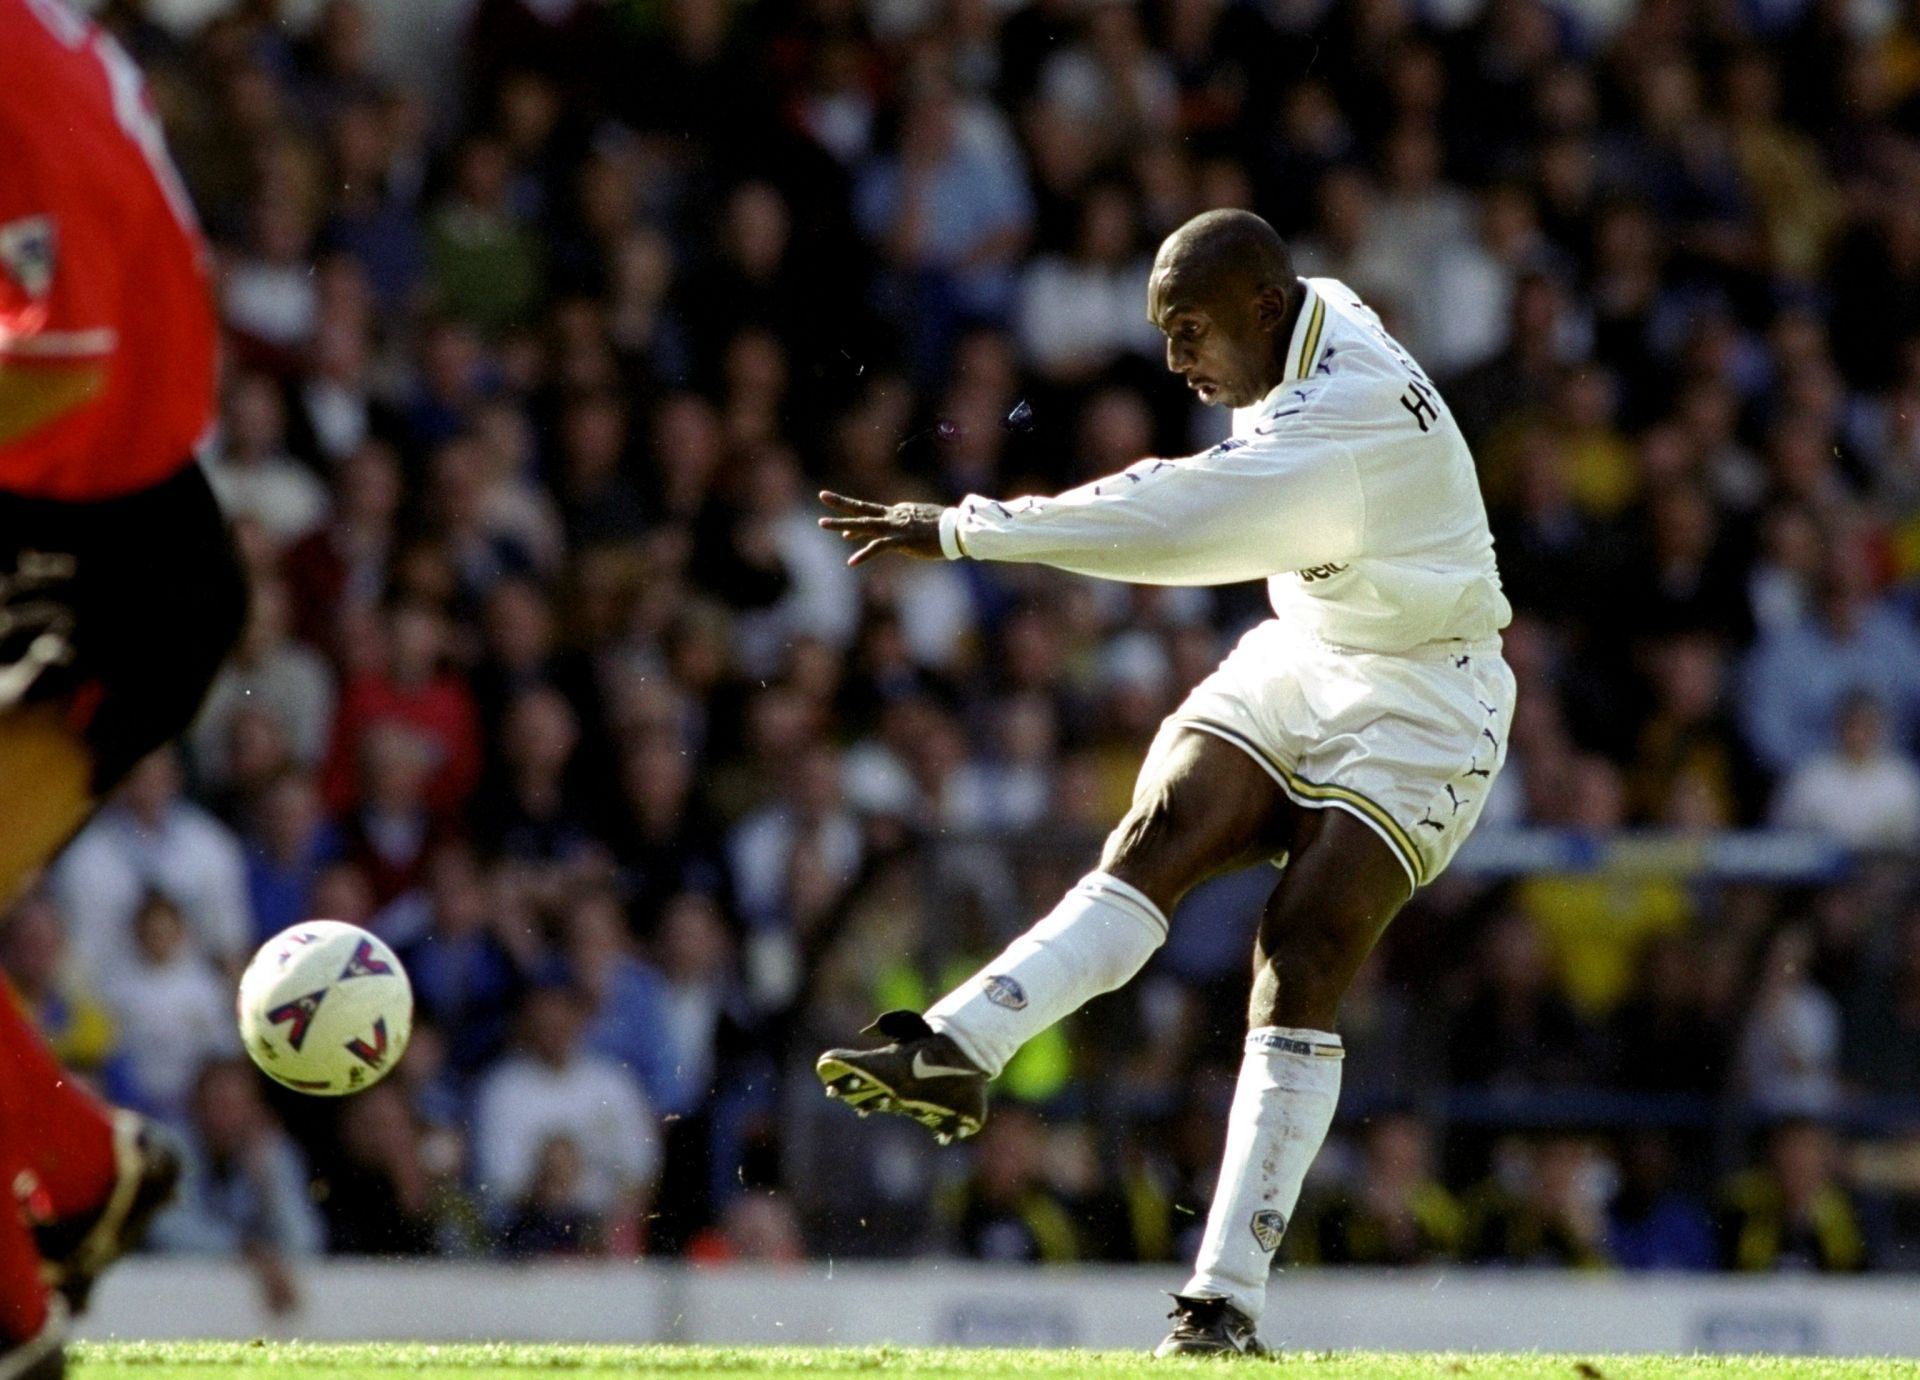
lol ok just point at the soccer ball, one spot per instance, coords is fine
(325, 1008)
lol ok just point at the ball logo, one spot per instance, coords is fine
(1269, 1226)
(364, 964)
(1004, 991)
(299, 1014)
(372, 1055)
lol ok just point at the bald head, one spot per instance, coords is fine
(1225, 294)
(1231, 243)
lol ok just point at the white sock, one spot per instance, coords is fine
(1101, 934)
(1282, 1106)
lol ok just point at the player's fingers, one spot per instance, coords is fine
(872, 549)
(853, 526)
(850, 505)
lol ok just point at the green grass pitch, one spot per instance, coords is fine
(389, 1361)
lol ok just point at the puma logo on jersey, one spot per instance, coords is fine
(28, 248)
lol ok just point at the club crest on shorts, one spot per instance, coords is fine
(1269, 1225)
(1004, 991)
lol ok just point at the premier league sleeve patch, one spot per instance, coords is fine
(28, 249)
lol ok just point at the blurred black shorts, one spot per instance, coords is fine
(122, 608)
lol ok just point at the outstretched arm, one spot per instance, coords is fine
(1237, 512)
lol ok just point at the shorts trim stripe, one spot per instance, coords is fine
(1315, 795)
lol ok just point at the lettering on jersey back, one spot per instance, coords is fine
(1422, 402)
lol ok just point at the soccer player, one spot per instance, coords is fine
(1351, 739)
(120, 593)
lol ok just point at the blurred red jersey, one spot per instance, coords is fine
(101, 260)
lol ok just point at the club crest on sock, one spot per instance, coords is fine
(1269, 1227)
(1004, 991)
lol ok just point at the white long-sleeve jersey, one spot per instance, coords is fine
(1348, 488)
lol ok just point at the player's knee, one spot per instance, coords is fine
(1153, 849)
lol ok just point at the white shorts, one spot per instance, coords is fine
(1408, 743)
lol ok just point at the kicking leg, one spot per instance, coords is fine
(1336, 897)
(1202, 806)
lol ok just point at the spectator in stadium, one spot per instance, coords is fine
(78, 1023)
(1596, 927)
(392, 830)
(1516, 1030)
(534, 809)
(251, 473)
(1863, 793)
(1663, 1037)
(790, 861)
(1789, 1052)
(1004, 1211)
(289, 840)
(414, 686)
(380, 1198)
(949, 210)
(1541, 1207)
(758, 1227)
(1080, 313)
(245, 1190)
(343, 566)
(1797, 678)
(1393, 1212)
(173, 1009)
(1791, 1212)
(150, 838)
(553, 1106)
(1651, 1223)
(552, 1216)
(464, 978)
(483, 262)
(271, 674)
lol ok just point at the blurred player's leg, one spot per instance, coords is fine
(31, 1317)
(69, 1142)
(1335, 899)
(46, 791)
(1202, 806)
(151, 598)
(32, 1320)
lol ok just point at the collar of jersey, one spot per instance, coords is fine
(1308, 333)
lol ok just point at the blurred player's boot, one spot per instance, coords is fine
(43, 1355)
(79, 1246)
(1209, 1327)
(921, 1074)
(33, 1319)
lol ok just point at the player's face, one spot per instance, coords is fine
(1220, 336)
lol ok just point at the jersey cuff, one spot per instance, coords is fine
(950, 534)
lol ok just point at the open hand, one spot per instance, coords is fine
(909, 529)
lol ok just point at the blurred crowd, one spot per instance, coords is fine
(544, 320)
